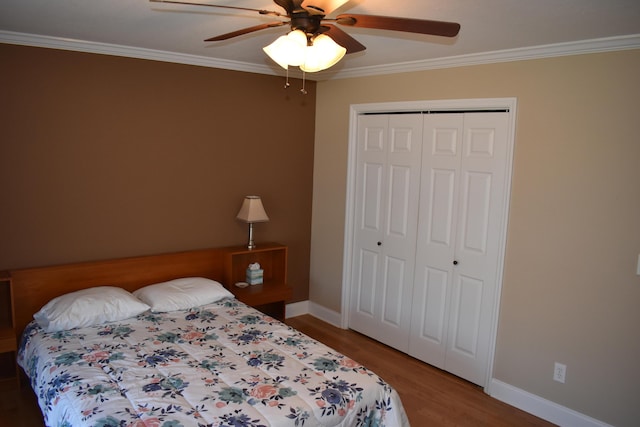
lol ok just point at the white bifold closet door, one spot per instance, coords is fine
(429, 203)
(457, 250)
(387, 189)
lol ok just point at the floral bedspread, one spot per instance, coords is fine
(223, 364)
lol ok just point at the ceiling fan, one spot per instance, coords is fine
(309, 17)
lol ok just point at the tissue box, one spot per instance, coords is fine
(255, 277)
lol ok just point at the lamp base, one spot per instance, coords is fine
(251, 244)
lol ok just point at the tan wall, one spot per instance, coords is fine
(570, 291)
(105, 157)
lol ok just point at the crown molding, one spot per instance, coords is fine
(507, 55)
(128, 51)
(520, 54)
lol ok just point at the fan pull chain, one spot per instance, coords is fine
(286, 83)
(304, 79)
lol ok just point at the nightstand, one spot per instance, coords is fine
(8, 342)
(269, 297)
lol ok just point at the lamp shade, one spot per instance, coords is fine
(252, 210)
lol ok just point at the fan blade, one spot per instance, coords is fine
(325, 6)
(260, 11)
(286, 5)
(290, 6)
(421, 26)
(343, 39)
(245, 31)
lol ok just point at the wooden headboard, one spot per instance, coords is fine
(34, 287)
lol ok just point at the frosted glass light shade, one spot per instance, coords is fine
(324, 53)
(288, 50)
(293, 49)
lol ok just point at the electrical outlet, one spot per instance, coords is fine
(559, 372)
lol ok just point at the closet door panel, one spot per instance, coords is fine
(466, 343)
(442, 199)
(386, 209)
(439, 188)
(428, 328)
(474, 222)
(482, 191)
(467, 304)
(371, 197)
(399, 193)
(394, 289)
(398, 243)
(435, 246)
(398, 260)
(478, 224)
(366, 287)
(368, 227)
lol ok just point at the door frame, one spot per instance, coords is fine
(453, 105)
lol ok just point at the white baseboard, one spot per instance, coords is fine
(296, 309)
(307, 307)
(332, 317)
(542, 408)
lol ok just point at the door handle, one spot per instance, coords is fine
(379, 243)
(455, 262)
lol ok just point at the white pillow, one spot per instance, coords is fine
(88, 307)
(181, 294)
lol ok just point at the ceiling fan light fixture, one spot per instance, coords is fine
(294, 50)
(289, 49)
(322, 54)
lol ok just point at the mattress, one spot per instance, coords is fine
(222, 364)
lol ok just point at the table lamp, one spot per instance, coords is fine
(250, 212)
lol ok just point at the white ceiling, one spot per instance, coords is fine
(492, 30)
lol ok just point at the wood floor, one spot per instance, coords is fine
(430, 396)
(18, 406)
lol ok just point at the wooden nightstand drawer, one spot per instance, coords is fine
(262, 294)
(7, 341)
(268, 298)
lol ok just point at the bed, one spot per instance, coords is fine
(182, 351)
